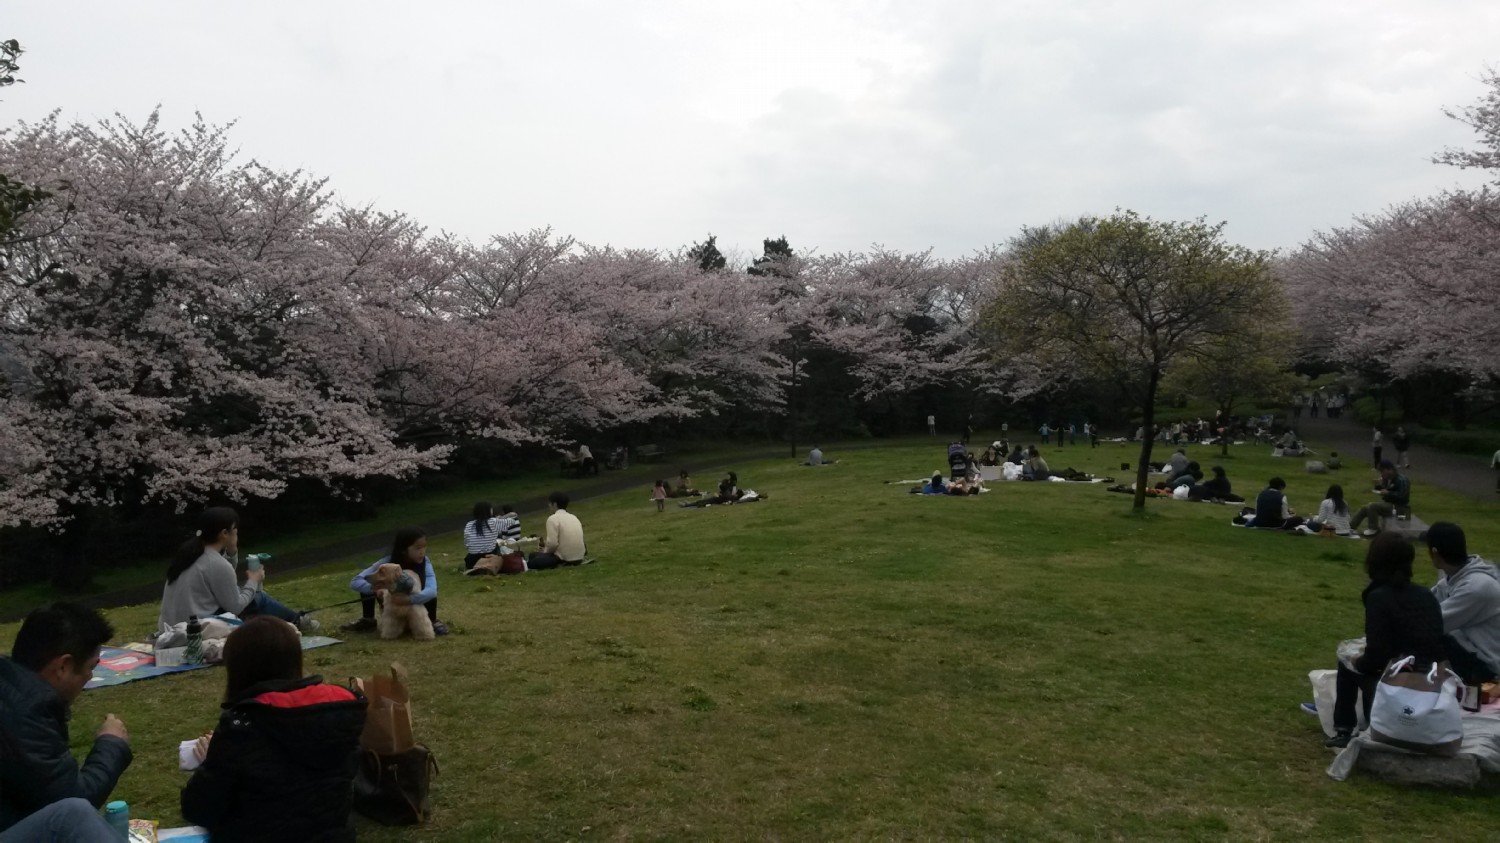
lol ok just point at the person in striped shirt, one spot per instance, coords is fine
(510, 526)
(481, 534)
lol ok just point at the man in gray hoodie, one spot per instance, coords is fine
(1468, 588)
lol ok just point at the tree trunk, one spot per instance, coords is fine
(1148, 439)
(791, 395)
(1224, 423)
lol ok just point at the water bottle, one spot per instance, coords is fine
(255, 561)
(194, 653)
(117, 817)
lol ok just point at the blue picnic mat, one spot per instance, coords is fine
(119, 665)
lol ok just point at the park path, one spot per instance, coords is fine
(1462, 473)
(376, 543)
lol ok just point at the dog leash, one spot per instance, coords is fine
(334, 606)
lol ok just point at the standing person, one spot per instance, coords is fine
(1072, 433)
(659, 494)
(1495, 464)
(586, 462)
(1402, 441)
(931, 425)
(1375, 445)
(281, 763)
(1093, 431)
(1046, 433)
(564, 543)
(1401, 619)
(51, 660)
(1395, 493)
(201, 579)
(409, 550)
(1468, 590)
(968, 430)
(481, 534)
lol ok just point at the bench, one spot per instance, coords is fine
(651, 453)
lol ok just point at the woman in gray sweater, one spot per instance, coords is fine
(202, 581)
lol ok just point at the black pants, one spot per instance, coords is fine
(367, 608)
(1347, 686)
(543, 561)
(1469, 667)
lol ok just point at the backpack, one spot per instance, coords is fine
(393, 789)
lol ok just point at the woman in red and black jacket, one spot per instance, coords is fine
(1401, 619)
(281, 762)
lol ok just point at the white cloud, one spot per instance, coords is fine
(838, 123)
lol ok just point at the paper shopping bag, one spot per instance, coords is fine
(388, 723)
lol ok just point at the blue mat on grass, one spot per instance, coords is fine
(119, 665)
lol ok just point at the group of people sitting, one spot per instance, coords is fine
(278, 766)
(1273, 511)
(1185, 479)
(1457, 621)
(729, 492)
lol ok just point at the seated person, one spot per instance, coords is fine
(815, 457)
(510, 527)
(991, 455)
(71, 820)
(618, 459)
(481, 534)
(282, 760)
(1216, 488)
(685, 486)
(1395, 494)
(52, 658)
(564, 542)
(1182, 478)
(1272, 510)
(1036, 467)
(1176, 464)
(1334, 462)
(1017, 456)
(1468, 590)
(1288, 442)
(1333, 513)
(202, 581)
(409, 550)
(1401, 619)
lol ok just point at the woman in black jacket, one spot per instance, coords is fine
(1401, 619)
(280, 764)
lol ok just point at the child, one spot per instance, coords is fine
(659, 494)
(510, 526)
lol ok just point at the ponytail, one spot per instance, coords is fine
(212, 522)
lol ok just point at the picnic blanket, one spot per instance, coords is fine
(119, 665)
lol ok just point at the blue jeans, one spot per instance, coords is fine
(265, 604)
(64, 821)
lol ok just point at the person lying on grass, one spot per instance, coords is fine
(1401, 619)
(409, 550)
(934, 486)
(201, 579)
(281, 762)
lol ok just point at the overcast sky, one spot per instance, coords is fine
(835, 122)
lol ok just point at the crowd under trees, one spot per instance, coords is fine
(181, 325)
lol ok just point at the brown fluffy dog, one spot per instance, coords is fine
(397, 614)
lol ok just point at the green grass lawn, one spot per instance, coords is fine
(849, 661)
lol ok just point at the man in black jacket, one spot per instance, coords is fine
(52, 659)
(1395, 495)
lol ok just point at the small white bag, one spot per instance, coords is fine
(1418, 711)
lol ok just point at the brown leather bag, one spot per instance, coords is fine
(394, 789)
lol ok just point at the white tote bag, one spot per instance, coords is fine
(1418, 711)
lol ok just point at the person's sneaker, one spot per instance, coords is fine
(360, 625)
(309, 626)
(1339, 740)
(1310, 708)
(1303, 528)
(1369, 532)
(588, 560)
(439, 628)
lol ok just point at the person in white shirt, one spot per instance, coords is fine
(1333, 513)
(564, 543)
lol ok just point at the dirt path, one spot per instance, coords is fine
(1467, 475)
